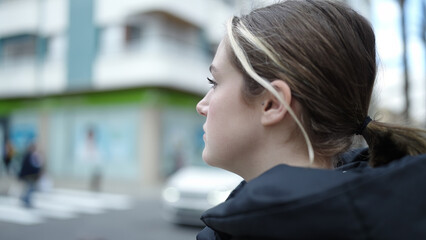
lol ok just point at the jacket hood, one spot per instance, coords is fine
(353, 201)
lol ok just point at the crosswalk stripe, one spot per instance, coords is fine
(60, 204)
(109, 200)
(83, 205)
(16, 214)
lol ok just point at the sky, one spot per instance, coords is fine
(385, 19)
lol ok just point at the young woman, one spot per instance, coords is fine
(291, 87)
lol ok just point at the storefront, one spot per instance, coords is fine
(134, 137)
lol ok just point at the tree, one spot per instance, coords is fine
(423, 31)
(406, 112)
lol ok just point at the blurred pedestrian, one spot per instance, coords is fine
(30, 172)
(9, 152)
(291, 87)
(8, 155)
(90, 153)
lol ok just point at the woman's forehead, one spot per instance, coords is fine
(221, 58)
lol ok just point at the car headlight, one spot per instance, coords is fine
(216, 197)
(171, 194)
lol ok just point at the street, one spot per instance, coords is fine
(74, 215)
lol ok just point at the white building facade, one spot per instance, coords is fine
(130, 72)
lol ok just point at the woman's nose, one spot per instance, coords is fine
(202, 107)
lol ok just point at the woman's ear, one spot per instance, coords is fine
(273, 111)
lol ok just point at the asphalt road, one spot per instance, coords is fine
(142, 221)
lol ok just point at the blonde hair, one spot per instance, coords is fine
(239, 53)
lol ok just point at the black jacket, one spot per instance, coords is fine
(31, 167)
(353, 201)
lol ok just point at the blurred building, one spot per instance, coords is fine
(107, 83)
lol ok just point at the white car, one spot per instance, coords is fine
(194, 189)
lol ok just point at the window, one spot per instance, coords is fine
(133, 36)
(19, 49)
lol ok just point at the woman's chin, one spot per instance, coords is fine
(209, 160)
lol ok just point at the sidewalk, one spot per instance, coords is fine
(13, 187)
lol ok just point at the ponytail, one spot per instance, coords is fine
(388, 142)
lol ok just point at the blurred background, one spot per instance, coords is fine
(106, 90)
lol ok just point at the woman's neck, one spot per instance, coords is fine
(292, 153)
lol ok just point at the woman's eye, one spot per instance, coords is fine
(212, 82)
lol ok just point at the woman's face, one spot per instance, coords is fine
(232, 126)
